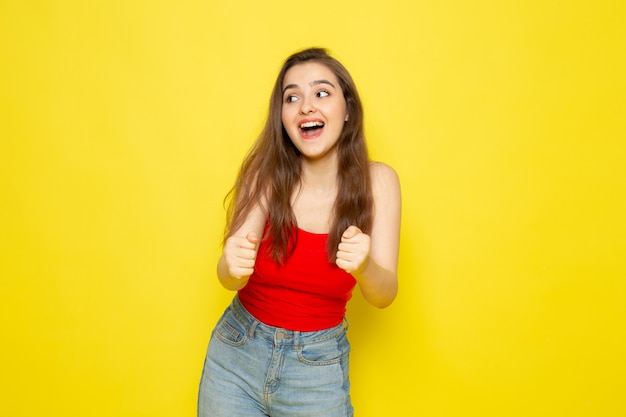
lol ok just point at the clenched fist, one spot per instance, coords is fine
(353, 250)
(240, 255)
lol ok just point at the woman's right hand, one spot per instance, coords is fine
(240, 255)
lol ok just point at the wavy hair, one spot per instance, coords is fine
(271, 170)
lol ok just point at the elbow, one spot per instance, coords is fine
(382, 301)
(380, 290)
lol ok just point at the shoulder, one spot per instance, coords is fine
(384, 178)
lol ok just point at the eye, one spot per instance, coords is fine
(323, 93)
(290, 98)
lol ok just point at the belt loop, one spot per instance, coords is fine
(296, 338)
(252, 329)
(346, 324)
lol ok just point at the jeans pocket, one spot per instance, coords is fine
(230, 331)
(322, 353)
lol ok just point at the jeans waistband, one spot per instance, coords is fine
(257, 328)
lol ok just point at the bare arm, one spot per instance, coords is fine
(238, 259)
(373, 260)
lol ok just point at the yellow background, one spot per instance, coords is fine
(122, 125)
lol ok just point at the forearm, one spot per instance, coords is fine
(226, 279)
(378, 285)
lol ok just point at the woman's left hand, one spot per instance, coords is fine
(353, 251)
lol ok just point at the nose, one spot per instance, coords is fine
(306, 106)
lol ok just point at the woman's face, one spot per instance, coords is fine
(314, 109)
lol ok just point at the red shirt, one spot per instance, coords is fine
(307, 293)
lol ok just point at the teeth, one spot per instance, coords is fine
(311, 124)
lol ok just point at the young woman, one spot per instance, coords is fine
(310, 218)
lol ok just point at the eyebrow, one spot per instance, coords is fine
(312, 83)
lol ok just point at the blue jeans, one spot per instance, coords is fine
(252, 369)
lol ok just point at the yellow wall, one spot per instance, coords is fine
(122, 124)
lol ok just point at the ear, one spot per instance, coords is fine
(347, 117)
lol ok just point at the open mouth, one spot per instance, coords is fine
(312, 128)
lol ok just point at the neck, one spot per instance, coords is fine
(320, 174)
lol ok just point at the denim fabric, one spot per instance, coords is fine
(252, 369)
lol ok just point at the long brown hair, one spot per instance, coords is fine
(271, 170)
